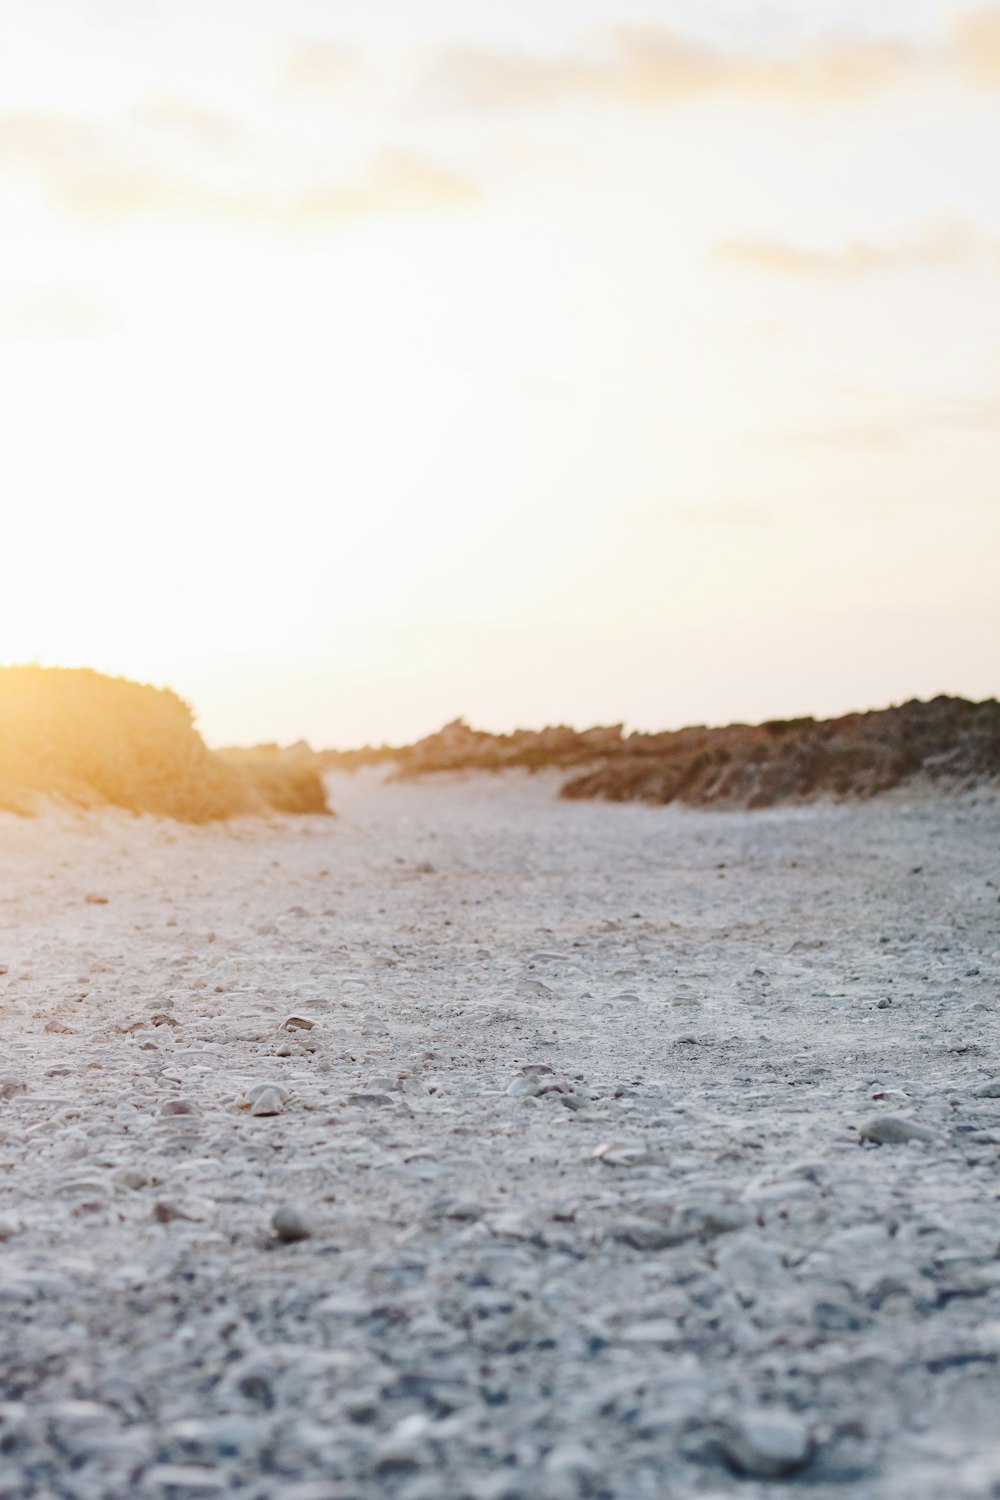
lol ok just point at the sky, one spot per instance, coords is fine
(367, 363)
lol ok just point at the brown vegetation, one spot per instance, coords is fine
(456, 747)
(948, 741)
(92, 741)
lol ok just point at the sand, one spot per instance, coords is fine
(570, 1167)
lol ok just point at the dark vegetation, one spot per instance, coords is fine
(948, 742)
(92, 741)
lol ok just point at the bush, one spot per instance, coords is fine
(95, 741)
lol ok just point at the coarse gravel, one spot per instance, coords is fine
(475, 1145)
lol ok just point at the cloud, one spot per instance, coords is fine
(936, 245)
(976, 43)
(99, 172)
(79, 166)
(319, 68)
(395, 182)
(181, 117)
(653, 65)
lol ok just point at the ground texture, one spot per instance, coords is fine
(573, 1147)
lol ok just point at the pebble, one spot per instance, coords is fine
(894, 1130)
(291, 1222)
(767, 1444)
(643, 1234)
(298, 1023)
(263, 1098)
(268, 1102)
(624, 1154)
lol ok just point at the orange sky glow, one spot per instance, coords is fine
(367, 365)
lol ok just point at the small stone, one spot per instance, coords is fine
(884, 1003)
(178, 1107)
(93, 900)
(624, 1154)
(298, 1023)
(894, 1130)
(11, 1086)
(989, 1090)
(643, 1234)
(403, 1449)
(523, 1088)
(767, 1444)
(254, 1092)
(369, 1101)
(8, 1228)
(58, 1028)
(267, 1102)
(291, 1223)
(165, 1213)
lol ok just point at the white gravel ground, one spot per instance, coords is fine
(668, 1267)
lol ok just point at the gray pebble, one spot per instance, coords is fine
(766, 1444)
(894, 1130)
(291, 1222)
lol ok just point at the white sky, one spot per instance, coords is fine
(371, 363)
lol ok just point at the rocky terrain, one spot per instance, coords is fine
(478, 1145)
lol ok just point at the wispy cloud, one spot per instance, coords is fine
(316, 69)
(652, 65)
(180, 117)
(395, 182)
(976, 46)
(103, 172)
(935, 245)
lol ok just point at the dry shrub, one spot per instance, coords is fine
(949, 741)
(94, 741)
(284, 786)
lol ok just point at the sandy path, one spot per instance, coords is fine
(733, 1297)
